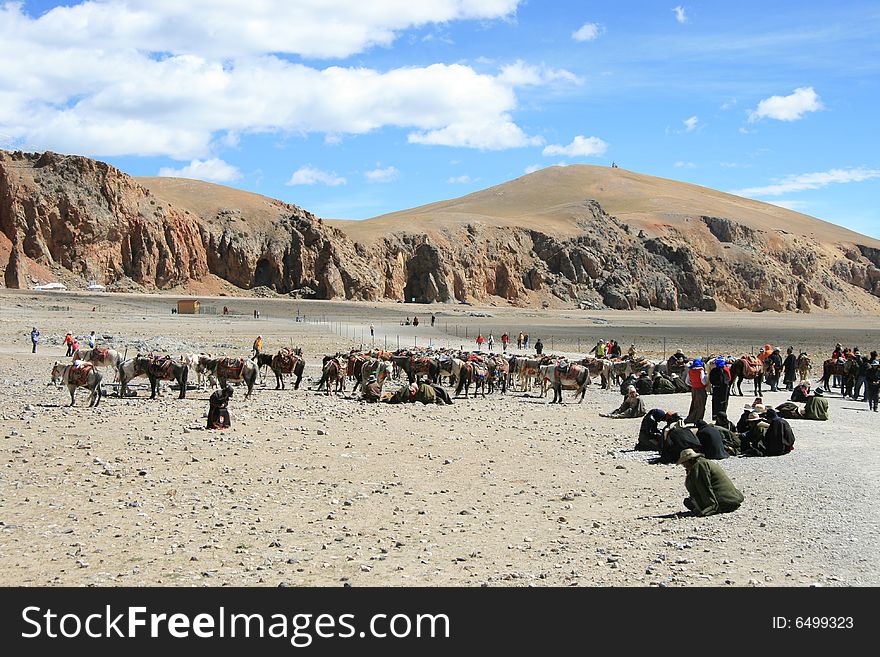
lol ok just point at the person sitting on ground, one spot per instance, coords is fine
(710, 490)
(218, 411)
(632, 406)
(650, 434)
(677, 362)
(789, 411)
(801, 393)
(628, 382)
(755, 428)
(721, 420)
(644, 385)
(778, 439)
(676, 439)
(711, 444)
(816, 407)
(662, 386)
(373, 390)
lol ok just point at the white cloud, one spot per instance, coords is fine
(229, 29)
(806, 181)
(787, 108)
(309, 175)
(680, 14)
(579, 147)
(111, 78)
(520, 74)
(533, 168)
(380, 175)
(463, 180)
(587, 32)
(690, 124)
(214, 170)
(685, 165)
(728, 104)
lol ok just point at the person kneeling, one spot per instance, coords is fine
(710, 490)
(218, 413)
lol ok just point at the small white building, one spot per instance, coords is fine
(94, 286)
(50, 287)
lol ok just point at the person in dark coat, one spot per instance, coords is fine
(644, 385)
(677, 439)
(801, 393)
(719, 378)
(776, 358)
(218, 412)
(539, 347)
(650, 434)
(778, 440)
(662, 386)
(628, 382)
(872, 378)
(789, 368)
(711, 444)
(35, 336)
(721, 420)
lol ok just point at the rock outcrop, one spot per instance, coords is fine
(88, 220)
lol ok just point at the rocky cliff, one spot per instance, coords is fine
(83, 220)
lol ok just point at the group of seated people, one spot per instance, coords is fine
(760, 431)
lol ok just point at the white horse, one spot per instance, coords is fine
(79, 376)
(203, 378)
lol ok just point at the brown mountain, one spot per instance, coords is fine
(584, 235)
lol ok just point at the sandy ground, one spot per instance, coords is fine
(307, 489)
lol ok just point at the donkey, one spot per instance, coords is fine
(79, 376)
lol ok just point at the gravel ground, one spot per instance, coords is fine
(308, 489)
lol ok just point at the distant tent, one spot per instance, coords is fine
(49, 287)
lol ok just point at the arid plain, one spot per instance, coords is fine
(309, 489)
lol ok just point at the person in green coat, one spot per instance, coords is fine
(710, 489)
(816, 407)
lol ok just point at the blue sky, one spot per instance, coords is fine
(353, 109)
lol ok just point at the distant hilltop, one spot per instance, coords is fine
(576, 236)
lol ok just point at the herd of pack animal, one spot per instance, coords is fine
(485, 372)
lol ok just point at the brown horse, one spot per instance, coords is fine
(746, 367)
(286, 361)
(474, 372)
(167, 369)
(803, 365)
(335, 370)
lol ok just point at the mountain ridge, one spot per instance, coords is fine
(581, 235)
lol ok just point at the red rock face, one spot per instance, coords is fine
(87, 220)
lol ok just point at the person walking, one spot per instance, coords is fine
(372, 330)
(505, 339)
(719, 378)
(68, 342)
(433, 319)
(698, 380)
(480, 341)
(539, 347)
(490, 342)
(92, 340)
(35, 336)
(526, 341)
(519, 340)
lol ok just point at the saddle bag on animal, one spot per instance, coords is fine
(283, 361)
(750, 366)
(79, 374)
(160, 368)
(480, 370)
(230, 368)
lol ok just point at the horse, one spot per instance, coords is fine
(803, 365)
(575, 377)
(236, 370)
(334, 370)
(192, 362)
(79, 376)
(131, 369)
(285, 362)
(167, 369)
(746, 367)
(599, 367)
(474, 372)
(414, 366)
(448, 367)
(846, 371)
(527, 371)
(381, 369)
(99, 357)
(498, 371)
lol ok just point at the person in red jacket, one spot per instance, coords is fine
(480, 341)
(698, 380)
